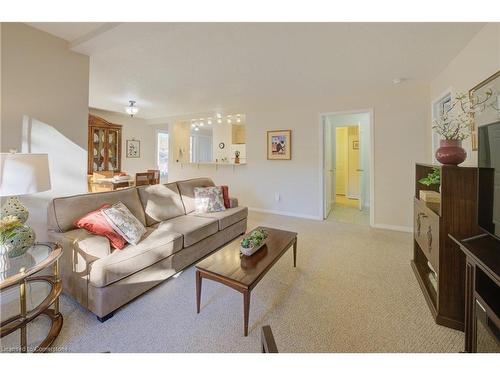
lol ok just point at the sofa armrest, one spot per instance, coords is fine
(233, 202)
(79, 250)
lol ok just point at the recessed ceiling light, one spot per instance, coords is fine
(397, 81)
(209, 121)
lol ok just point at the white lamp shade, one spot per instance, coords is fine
(22, 174)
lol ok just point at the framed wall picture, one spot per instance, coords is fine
(279, 145)
(491, 112)
(133, 148)
(355, 145)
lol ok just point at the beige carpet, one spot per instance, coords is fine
(353, 291)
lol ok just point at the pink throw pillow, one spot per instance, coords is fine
(96, 223)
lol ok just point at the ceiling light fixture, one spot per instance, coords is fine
(209, 121)
(131, 109)
(397, 81)
(229, 119)
(238, 118)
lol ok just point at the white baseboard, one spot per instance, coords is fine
(285, 213)
(398, 228)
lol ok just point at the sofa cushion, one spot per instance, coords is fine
(64, 211)
(161, 202)
(225, 218)
(193, 228)
(89, 245)
(186, 188)
(157, 244)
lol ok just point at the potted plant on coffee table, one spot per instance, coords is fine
(253, 242)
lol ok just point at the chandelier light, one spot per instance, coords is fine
(131, 109)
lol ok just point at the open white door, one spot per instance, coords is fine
(328, 167)
(361, 169)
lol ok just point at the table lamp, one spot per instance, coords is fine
(20, 174)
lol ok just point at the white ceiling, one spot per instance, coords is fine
(183, 68)
(69, 31)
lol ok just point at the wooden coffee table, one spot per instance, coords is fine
(243, 273)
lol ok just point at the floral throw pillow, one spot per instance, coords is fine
(208, 199)
(124, 222)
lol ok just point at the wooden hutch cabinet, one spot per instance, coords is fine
(437, 262)
(104, 146)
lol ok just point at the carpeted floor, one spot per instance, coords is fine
(353, 291)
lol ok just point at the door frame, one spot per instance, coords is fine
(322, 192)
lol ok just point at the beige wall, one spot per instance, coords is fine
(477, 61)
(139, 129)
(44, 101)
(401, 119)
(43, 79)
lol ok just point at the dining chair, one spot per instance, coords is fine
(144, 178)
(156, 173)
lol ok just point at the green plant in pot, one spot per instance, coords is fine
(433, 178)
(253, 242)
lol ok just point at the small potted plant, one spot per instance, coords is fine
(455, 124)
(253, 242)
(433, 178)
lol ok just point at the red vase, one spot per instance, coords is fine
(450, 152)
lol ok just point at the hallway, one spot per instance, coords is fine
(345, 210)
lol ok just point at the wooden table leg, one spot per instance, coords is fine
(295, 253)
(246, 310)
(198, 291)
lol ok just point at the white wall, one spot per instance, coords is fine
(139, 129)
(401, 118)
(477, 61)
(44, 90)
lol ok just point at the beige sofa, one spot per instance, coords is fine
(103, 279)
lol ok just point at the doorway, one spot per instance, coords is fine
(347, 161)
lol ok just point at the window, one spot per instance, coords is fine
(162, 153)
(439, 107)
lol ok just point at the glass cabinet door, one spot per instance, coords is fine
(113, 150)
(99, 149)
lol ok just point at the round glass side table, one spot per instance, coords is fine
(19, 272)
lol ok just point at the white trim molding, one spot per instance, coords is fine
(372, 160)
(397, 228)
(285, 213)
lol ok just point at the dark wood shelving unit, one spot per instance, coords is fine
(482, 293)
(434, 253)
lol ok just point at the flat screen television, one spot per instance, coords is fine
(489, 178)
